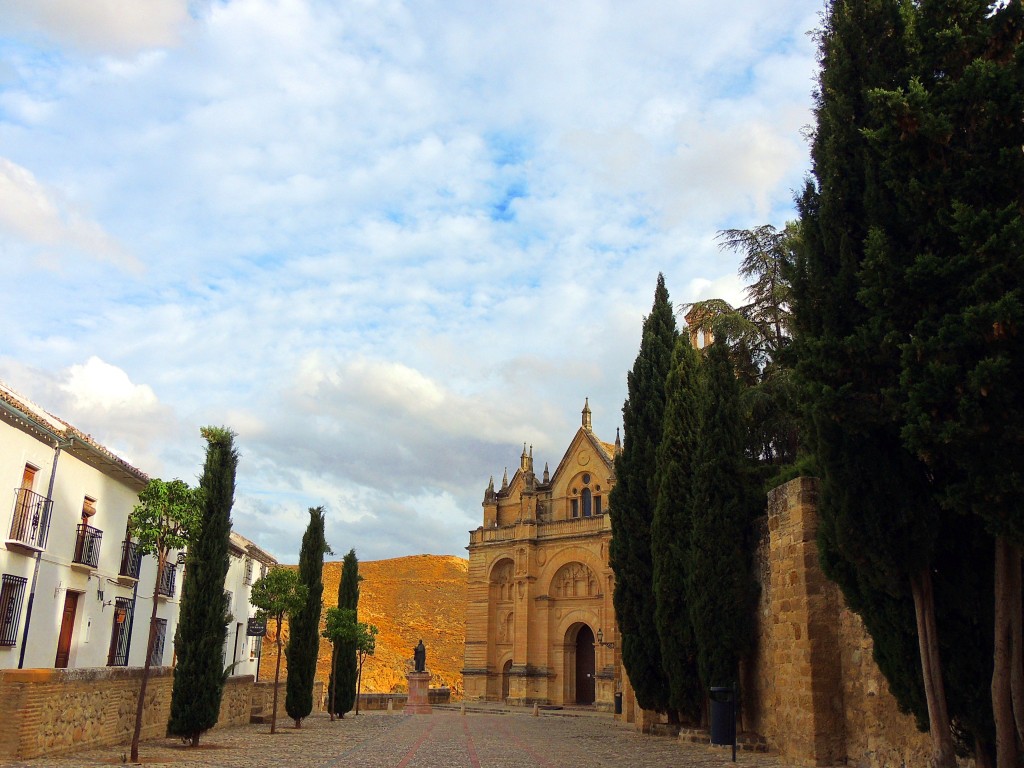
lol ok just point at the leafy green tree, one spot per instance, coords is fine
(758, 334)
(720, 590)
(278, 594)
(670, 533)
(341, 689)
(203, 617)
(366, 645)
(631, 505)
(304, 625)
(164, 520)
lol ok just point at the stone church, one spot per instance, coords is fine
(540, 626)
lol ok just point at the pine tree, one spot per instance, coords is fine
(304, 625)
(670, 534)
(341, 689)
(631, 505)
(721, 592)
(203, 618)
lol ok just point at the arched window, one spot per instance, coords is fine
(587, 503)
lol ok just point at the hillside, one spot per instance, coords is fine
(408, 598)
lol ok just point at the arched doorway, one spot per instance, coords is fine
(506, 672)
(584, 666)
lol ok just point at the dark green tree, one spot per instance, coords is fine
(203, 618)
(670, 533)
(341, 688)
(304, 625)
(631, 504)
(721, 592)
(278, 594)
(942, 278)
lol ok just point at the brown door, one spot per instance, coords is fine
(67, 628)
(506, 671)
(585, 666)
(28, 479)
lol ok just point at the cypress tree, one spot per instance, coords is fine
(202, 624)
(304, 625)
(631, 505)
(341, 689)
(670, 534)
(720, 589)
(944, 281)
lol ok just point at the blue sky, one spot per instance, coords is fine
(386, 242)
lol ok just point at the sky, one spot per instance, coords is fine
(387, 242)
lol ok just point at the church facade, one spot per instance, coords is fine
(540, 626)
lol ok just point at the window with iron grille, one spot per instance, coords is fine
(121, 632)
(12, 592)
(255, 647)
(248, 571)
(156, 658)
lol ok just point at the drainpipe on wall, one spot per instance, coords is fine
(57, 445)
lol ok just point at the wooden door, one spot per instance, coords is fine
(67, 629)
(585, 666)
(28, 478)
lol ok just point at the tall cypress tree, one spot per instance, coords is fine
(203, 618)
(341, 689)
(670, 534)
(724, 499)
(944, 281)
(304, 625)
(631, 504)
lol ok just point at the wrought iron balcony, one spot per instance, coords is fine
(87, 545)
(165, 587)
(131, 560)
(30, 522)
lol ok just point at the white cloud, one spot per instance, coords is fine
(101, 26)
(39, 217)
(385, 241)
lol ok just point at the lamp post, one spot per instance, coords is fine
(600, 639)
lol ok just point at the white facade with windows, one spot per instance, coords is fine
(73, 593)
(248, 562)
(73, 590)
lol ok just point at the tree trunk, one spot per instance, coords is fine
(1017, 636)
(140, 705)
(359, 682)
(277, 677)
(1007, 563)
(943, 754)
(334, 664)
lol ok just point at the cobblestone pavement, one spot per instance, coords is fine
(445, 739)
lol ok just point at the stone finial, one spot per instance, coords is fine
(489, 491)
(524, 460)
(618, 442)
(587, 425)
(504, 480)
(547, 475)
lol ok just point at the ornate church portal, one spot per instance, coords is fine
(539, 584)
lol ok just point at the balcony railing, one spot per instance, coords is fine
(166, 585)
(87, 545)
(30, 523)
(131, 559)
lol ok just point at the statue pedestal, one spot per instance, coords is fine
(418, 702)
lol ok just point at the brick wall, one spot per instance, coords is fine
(811, 688)
(55, 711)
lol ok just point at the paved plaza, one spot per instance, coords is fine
(494, 739)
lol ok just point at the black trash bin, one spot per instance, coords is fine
(618, 703)
(723, 716)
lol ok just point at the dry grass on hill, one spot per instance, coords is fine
(408, 598)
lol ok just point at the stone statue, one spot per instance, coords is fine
(419, 655)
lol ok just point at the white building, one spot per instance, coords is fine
(248, 562)
(73, 590)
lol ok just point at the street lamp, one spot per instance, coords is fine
(600, 639)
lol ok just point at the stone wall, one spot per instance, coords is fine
(55, 711)
(811, 687)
